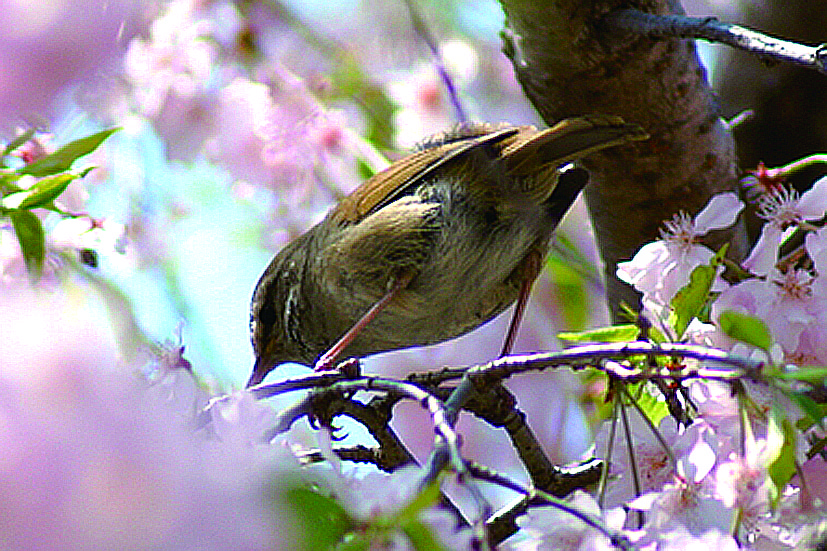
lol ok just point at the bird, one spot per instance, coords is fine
(435, 245)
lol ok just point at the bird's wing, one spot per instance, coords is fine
(566, 141)
(399, 179)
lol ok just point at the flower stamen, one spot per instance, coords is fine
(679, 231)
(780, 207)
(796, 284)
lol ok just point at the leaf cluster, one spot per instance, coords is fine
(53, 173)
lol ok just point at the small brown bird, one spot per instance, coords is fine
(428, 249)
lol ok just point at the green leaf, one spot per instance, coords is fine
(18, 141)
(813, 411)
(321, 520)
(612, 333)
(649, 401)
(569, 286)
(62, 159)
(7, 183)
(32, 240)
(782, 467)
(428, 497)
(407, 519)
(350, 81)
(422, 537)
(813, 375)
(689, 301)
(720, 257)
(41, 194)
(85, 171)
(745, 328)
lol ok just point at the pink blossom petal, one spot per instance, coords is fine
(645, 502)
(698, 255)
(241, 419)
(764, 255)
(744, 297)
(786, 329)
(632, 271)
(816, 244)
(699, 461)
(813, 203)
(721, 211)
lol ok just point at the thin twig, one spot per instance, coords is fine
(286, 417)
(503, 368)
(436, 377)
(497, 406)
(422, 29)
(503, 523)
(627, 433)
(590, 355)
(744, 426)
(307, 381)
(434, 406)
(357, 454)
(607, 461)
(789, 169)
(446, 448)
(712, 30)
(654, 430)
(539, 497)
(342, 382)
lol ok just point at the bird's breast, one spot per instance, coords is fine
(466, 258)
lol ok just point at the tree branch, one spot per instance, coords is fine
(497, 406)
(712, 30)
(503, 523)
(538, 497)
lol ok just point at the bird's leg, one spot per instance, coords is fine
(531, 269)
(325, 362)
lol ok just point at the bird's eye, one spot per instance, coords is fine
(267, 314)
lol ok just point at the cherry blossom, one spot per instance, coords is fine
(93, 458)
(372, 495)
(783, 210)
(549, 528)
(661, 268)
(654, 465)
(169, 73)
(796, 520)
(682, 507)
(791, 303)
(86, 36)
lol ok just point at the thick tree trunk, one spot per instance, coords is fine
(569, 64)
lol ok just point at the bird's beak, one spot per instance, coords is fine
(260, 371)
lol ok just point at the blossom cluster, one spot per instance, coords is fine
(108, 447)
(715, 481)
(703, 486)
(96, 457)
(790, 298)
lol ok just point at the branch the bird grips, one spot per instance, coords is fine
(428, 249)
